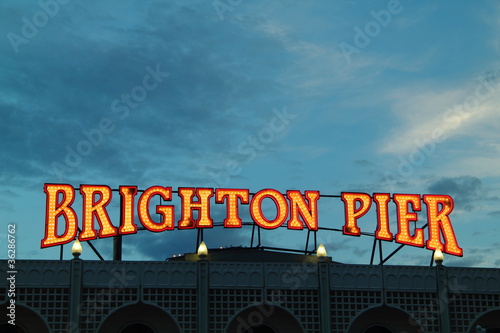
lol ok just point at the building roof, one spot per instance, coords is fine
(250, 254)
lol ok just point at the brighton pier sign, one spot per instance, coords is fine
(298, 210)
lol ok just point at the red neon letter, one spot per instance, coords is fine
(232, 219)
(167, 212)
(127, 194)
(404, 218)
(256, 209)
(92, 208)
(54, 210)
(202, 205)
(383, 232)
(439, 221)
(308, 211)
(352, 214)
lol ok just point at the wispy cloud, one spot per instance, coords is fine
(464, 190)
(438, 115)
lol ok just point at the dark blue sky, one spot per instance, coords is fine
(374, 96)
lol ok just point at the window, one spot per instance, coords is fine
(8, 328)
(260, 329)
(137, 328)
(378, 329)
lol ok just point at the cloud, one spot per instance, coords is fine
(442, 113)
(465, 190)
(159, 246)
(468, 261)
(364, 163)
(495, 213)
(346, 245)
(196, 110)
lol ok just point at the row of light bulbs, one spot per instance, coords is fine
(202, 252)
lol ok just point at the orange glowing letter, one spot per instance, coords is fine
(353, 213)
(202, 205)
(127, 194)
(383, 232)
(54, 210)
(308, 211)
(404, 218)
(232, 219)
(167, 212)
(438, 209)
(256, 209)
(92, 208)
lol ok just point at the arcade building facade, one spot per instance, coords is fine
(244, 290)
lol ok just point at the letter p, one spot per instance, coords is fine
(356, 205)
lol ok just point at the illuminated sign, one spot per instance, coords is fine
(294, 209)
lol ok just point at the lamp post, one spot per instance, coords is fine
(324, 288)
(202, 251)
(76, 249)
(321, 253)
(438, 257)
(75, 287)
(203, 272)
(442, 289)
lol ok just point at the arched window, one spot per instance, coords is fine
(137, 328)
(139, 318)
(252, 320)
(383, 319)
(260, 329)
(8, 328)
(378, 329)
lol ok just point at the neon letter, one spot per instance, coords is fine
(256, 209)
(54, 210)
(383, 232)
(439, 221)
(404, 218)
(232, 219)
(308, 212)
(92, 208)
(127, 194)
(352, 214)
(167, 212)
(202, 205)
